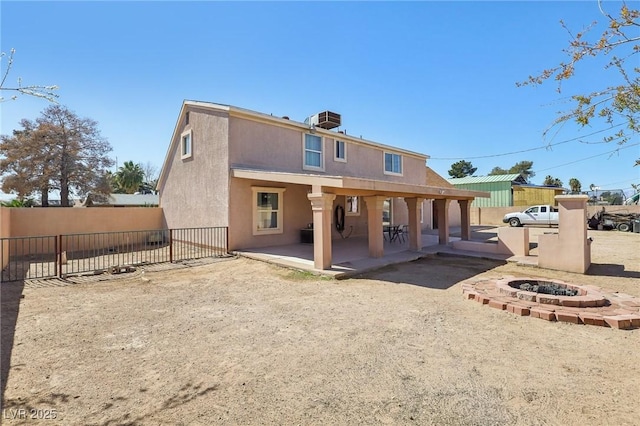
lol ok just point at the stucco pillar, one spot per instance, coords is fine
(5, 232)
(321, 205)
(443, 220)
(415, 233)
(569, 249)
(465, 219)
(374, 225)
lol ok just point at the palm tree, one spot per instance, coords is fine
(575, 186)
(551, 181)
(129, 177)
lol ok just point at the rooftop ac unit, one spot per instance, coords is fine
(325, 120)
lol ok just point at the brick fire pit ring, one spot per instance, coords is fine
(590, 305)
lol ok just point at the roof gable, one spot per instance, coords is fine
(434, 179)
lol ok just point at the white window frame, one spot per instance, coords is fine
(335, 150)
(389, 201)
(186, 150)
(279, 229)
(384, 163)
(304, 151)
(347, 207)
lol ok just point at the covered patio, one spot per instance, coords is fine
(337, 255)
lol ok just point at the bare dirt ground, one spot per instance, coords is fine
(243, 342)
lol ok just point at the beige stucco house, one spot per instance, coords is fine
(271, 180)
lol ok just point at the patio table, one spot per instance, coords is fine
(392, 230)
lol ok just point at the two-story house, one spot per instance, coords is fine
(267, 178)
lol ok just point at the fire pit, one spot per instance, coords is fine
(556, 300)
(551, 293)
(545, 287)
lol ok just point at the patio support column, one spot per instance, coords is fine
(374, 227)
(321, 205)
(443, 220)
(415, 232)
(465, 219)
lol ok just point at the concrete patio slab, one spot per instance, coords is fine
(351, 255)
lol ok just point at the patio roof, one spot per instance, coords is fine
(346, 185)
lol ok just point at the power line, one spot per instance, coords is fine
(621, 181)
(588, 158)
(530, 149)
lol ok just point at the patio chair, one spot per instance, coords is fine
(403, 231)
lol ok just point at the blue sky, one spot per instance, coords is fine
(433, 77)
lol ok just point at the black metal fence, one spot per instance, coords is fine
(71, 254)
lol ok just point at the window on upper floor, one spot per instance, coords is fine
(267, 210)
(312, 151)
(186, 145)
(340, 151)
(392, 163)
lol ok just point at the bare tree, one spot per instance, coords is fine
(45, 92)
(618, 105)
(150, 172)
(58, 151)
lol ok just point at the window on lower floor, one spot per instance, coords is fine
(353, 205)
(392, 163)
(386, 212)
(267, 210)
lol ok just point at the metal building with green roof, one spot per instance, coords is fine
(499, 186)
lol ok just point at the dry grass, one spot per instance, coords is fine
(242, 342)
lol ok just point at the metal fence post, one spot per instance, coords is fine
(59, 254)
(170, 245)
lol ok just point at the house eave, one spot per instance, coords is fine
(344, 185)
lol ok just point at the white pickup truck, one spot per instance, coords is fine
(534, 215)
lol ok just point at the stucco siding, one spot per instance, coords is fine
(355, 225)
(269, 147)
(296, 210)
(196, 189)
(32, 222)
(400, 214)
(5, 231)
(264, 146)
(368, 162)
(5, 222)
(297, 215)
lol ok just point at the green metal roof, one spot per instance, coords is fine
(488, 179)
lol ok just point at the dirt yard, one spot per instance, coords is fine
(243, 342)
